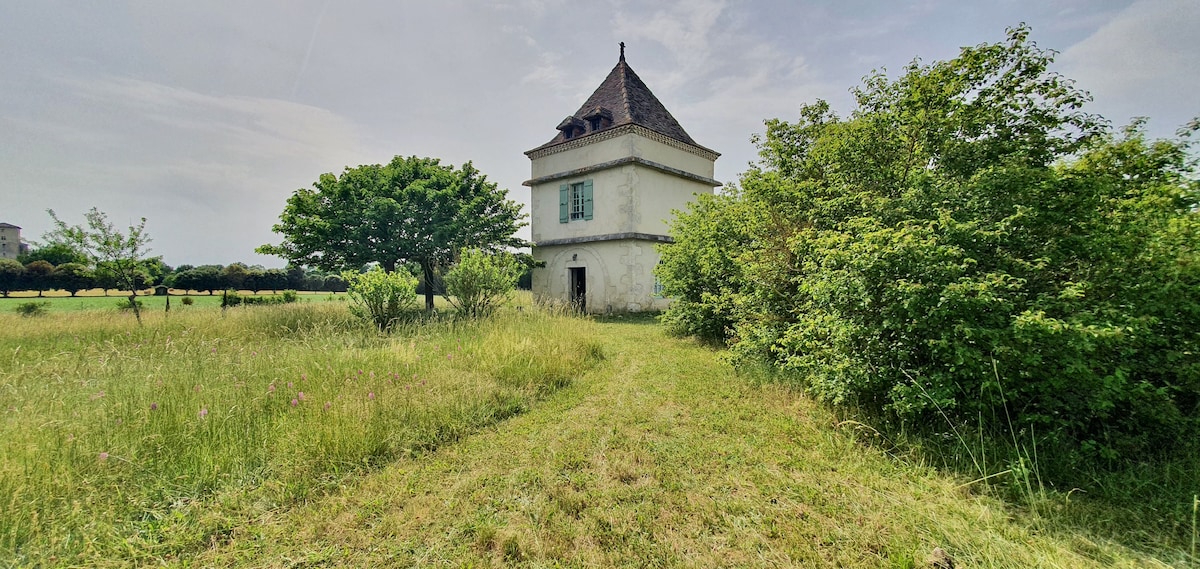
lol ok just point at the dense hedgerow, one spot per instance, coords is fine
(967, 246)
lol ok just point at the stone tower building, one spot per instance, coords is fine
(602, 190)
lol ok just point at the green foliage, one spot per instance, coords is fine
(38, 276)
(56, 254)
(130, 304)
(187, 301)
(233, 298)
(117, 256)
(968, 246)
(480, 281)
(73, 277)
(11, 273)
(379, 296)
(31, 309)
(409, 210)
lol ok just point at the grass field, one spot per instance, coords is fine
(59, 301)
(125, 444)
(532, 439)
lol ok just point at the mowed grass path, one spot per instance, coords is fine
(662, 457)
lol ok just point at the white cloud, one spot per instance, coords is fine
(1145, 60)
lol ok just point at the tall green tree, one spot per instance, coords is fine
(410, 210)
(11, 274)
(38, 276)
(119, 255)
(968, 244)
(73, 277)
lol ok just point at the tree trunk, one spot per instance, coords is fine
(427, 275)
(133, 304)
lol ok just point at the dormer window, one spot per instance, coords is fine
(598, 118)
(571, 127)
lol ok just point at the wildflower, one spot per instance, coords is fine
(372, 375)
(360, 372)
(300, 396)
(304, 377)
(449, 356)
(103, 456)
(328, 404)
(214, 350)
(196, 389)
(203, 412)
(422, 382)
(154, 406)
(289, 385)
(295, 403)
(271, 388)
(371, 396)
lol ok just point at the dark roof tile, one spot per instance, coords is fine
(629, 100)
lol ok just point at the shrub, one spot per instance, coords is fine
(126, 304)
(31, 309)
(380, 297)
(188, 301)
(480, 281)
(289, 296)
(966, 247)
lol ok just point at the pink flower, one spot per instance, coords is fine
(103, 456)
(154, 406)
(328, 405)
(371, 396)
(203, 412)
(303, 377)
(196, 389)
(295, 403)
(449, 356)
(360, 372)
(289, 385)
(300, 396)
(271, 388)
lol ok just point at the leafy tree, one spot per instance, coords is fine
(204, 277)
(334, 283)
(38, 276)
(234, 276)
(55, 254)
(380, 297)
(480, 281)
(11, 274)
(73, 277)
(970, 245)
(119, 255)
(274, 279)
(409, 210)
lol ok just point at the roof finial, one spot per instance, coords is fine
(622, 51)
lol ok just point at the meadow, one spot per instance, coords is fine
(294, 435)
(128, 444)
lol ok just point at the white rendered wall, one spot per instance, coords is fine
(630, 198)
(620, 275)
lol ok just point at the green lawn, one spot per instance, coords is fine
(96, 300)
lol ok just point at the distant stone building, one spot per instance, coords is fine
(10, 241)
(602, 191)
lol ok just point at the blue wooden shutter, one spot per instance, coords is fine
(564, 203)
(587, 199)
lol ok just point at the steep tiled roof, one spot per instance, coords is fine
(629, 100)
(8, 226)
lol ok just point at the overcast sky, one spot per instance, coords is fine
(204, 117)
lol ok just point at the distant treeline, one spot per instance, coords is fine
(55, 267)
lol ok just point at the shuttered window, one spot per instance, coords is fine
(575, 201)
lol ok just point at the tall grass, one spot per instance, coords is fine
(122, 444)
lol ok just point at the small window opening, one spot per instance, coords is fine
(577, 201)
